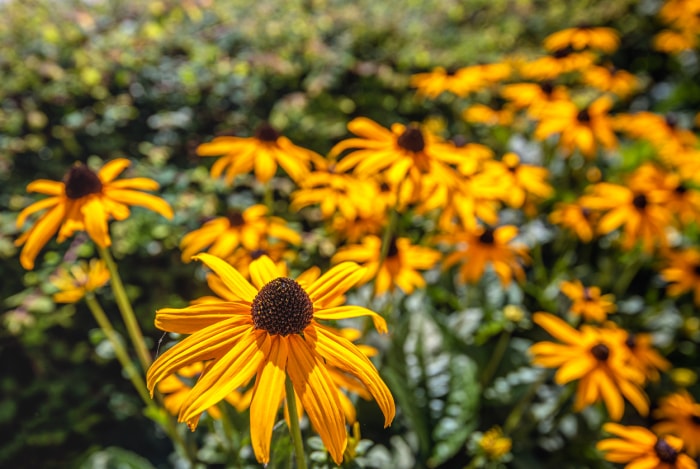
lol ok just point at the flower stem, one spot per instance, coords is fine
(132, 325)
(119, 350)
(495, 360)
(294, 428)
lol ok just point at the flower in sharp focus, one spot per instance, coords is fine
(682, 272)
(679, 415)
(584, 37)
(638, 448)
(583, 129)
(598, 358)
(399, 269)
(262, 152)
(222, 235)
(82, 278)
(272, 333)
(84, 201)
(475, 250)
(587, 301)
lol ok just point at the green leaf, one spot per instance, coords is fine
(115, 458)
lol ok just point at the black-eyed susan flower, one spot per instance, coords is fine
(583, 37)
(82, 278)
(477, 250)
(682, 272)
(583, 129)
(644, 356)
(84, 201)
(519, 181)
(557, 63)
(262, 152)
(494, 444)
(248, 228)
(664, 132)
(587, 301)
(637, 448)
(673, 41)
(607, 78)
(598, 358)
(574, 217)
(497, 112)
(439, 80)
(677, 194)
(533, 96)
(683, 20)
(679, 414)
(402, 152)
(640, 214)
(272, 333)
(399, 269)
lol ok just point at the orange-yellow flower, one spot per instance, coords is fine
(576, 218)
(682, 272)
(583, 37)
(82, 278)
(679, 415)
(587, 301)
(84, 201)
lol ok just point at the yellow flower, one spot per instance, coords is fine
(610, 79)
(680, 415)
(494, 444)
(683, 273)
(576, 218)
(250, 228)
(261, 152)
(84, 201)
(637, 447)
(399, 269)
(482, 247)
(583, 37)
(518, 181)
(559, 62)
(400, 153)
(598, 358)
(673, 42)
(272, 333)
(79, 280)
(644, 356)
(533, 96)
(664, 132)
(587, 301)
(439, 80)
(498, 114)
(583, 129)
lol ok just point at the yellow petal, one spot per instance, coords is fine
(263, 271)
(318, 395)
(335, 282)
(46, 186)
(557, 328)
(350, 311)
(196, 317)
(39, 235)
(95, 220)
(141, 199)
(36, 207)
(233, 280)
(112, 169)
(269, 391)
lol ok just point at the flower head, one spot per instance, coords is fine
(638, 447)
(84, 201)
(271, 333)
(576, 218)
(682, 272)
(82, 278)
(583, 37)
(587, 301)
(679, 415)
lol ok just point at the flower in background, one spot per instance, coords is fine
(519, 182)
(637, 447)
(498, 112)
(584, 37)
(533, 96)
(440, 80)
(262, 152)
(82, 278)
(578, 129)
(84, 201)
(494, 444)
(222, 235)
(598, 358)
(682, 272)
(587, 301)
(607, 78)
(640, 214)
(399, 268)
(683, 19)
(679, 415)
(576, 218)
(644, 356)
(272, 334)
(484, 247)
(557, 63)
(663, 132)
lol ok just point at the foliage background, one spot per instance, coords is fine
(151, 80)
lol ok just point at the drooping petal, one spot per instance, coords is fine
(268, 393)
(196, 317)
(230, 276)
(231, 371)
(557, 328)
(350, 311)
(343, 354)
(142, 184)
(46, 186)
(36, 207)
(95, 220)
(40, 234)
(141, 199)
(336, 281)
(318, 395)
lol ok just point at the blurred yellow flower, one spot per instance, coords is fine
(679, 415)
(84, 201)
(587, 301)
(495, 444)
(80, 279)
(573, 216)
(584, 37)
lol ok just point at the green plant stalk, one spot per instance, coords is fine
(495, 360)
(294, 428)
(127, 312)
(386, 240)
(119, 350)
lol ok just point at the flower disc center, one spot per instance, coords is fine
(282, 307)
(81, 181)
(412, 140)
(266, 133)
(601, 352)
(665, 452)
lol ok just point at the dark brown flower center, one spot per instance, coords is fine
(562, 53)
(583, 116)
(547, 87)
(601, 352)
(671, 121)
(640, 201)
(681, 189)
(282, 307)
(696, 269)
(412, 140)
(695, 418)
(266, 133)
(393, 249)
(665, 452)
(487, 236)
(631, 341)
(235, 218)
(257, 253)
(81, 181)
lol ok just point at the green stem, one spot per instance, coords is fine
(119, 350)
(294, 428)
(128, 316)
(386, 242)
(495, 360)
